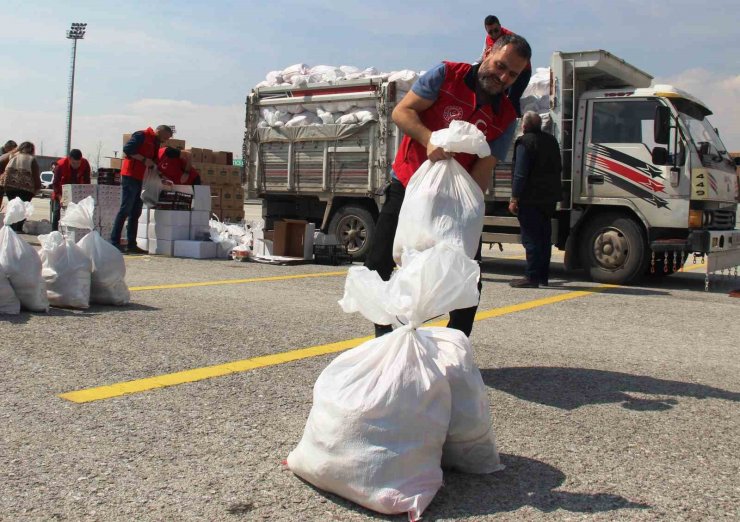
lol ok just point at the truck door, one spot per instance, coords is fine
(618, 159)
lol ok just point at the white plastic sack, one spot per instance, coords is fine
(274, 78)
(347, 119)
(108, 281)
(303, 119)
(381, 411)
(151, 187)
(20, 262)
(366, 115)
(9, 303)
(442, 202)
(404, 79)
(326, 117)
(275, 117)
(80, 215)
(67, 271)
(294, 70)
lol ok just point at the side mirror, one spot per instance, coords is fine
(703, 148)
(662, 125)
(660, 156)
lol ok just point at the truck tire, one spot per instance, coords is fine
(613, 249)
(355, 227)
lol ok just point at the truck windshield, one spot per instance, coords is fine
(695, 122)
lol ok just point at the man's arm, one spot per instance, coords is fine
(482, 171)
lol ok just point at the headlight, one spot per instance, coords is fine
(696, 218)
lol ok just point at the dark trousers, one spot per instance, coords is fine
(131, 206)
(56, 211)
(25, 196)
(517, 89)
(537, 240)
(380, 256)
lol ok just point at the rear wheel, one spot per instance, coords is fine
(354, 227)
(613, 249)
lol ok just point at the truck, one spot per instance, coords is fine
(646, 179)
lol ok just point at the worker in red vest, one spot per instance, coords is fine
(72, 170)
(175, 165)
(448, 92)
(140, 154)
(494, 31)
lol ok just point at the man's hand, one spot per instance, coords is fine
(149, 163)
(184, 179)
(437, 153)
(514, 206)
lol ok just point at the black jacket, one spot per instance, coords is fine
(542, 184)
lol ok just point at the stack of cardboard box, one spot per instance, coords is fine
(107, 203)
(217, 171)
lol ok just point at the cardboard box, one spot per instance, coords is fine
(116, 163)
(196, 249)
(232, 198)
(174, 143)
(207, 155)
(76, 193)
(170, 217)
(201, 198)
(294, 238)
(126, 139)
(220, 157)
(161, 247)
(167, 232)
(196, 155)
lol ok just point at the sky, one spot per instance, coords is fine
(192, 64)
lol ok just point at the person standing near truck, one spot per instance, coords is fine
(494, 31)
(72, 170)
(535, 193)
(447, 92)
(140, 154)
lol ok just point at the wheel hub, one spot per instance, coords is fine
(611, 249)
(352, 233)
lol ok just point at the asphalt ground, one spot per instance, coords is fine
(608, 403)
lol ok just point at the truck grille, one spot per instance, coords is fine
(723, 219)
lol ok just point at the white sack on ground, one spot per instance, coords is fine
(20, 261)
(108, 280)
(362, 439)
(9, 303)
(442, 202)
(67, 271)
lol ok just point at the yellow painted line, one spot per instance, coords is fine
(236, 281)
(220, 370)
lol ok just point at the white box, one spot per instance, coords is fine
(170, 217)
(196, 249)
(200, 233)
(308, 241)
(201, 198)
(169, 233)
(76, 193)
(161, 247)
(199, 218)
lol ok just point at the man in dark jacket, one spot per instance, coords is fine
(535, 192)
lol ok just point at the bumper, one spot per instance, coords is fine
(722, 247)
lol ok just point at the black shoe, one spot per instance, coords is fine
(523, 283)
(135, 250)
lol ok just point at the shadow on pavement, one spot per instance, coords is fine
(571, 388)
(524, 482)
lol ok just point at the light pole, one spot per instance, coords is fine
(76, 32)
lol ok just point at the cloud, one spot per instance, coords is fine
(721, 93)
(218, 127)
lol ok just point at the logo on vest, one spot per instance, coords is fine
(481, 125)
(452, 112)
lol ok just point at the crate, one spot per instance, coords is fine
(331, 255)
(174, 200)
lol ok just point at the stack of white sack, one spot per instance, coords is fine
(442, 202)
(388, 414)
(230, 236)
(20, 264)
(108, 279)
(67, 271)
(536, 97)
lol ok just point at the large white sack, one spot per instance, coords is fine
(539, 84)
(108, 280)
(303, 119)
(274, 78)
(442, 201)
(9, 303)
(366, 115)
(275, 117)
(294, 70)
(326, 117)
(67, 271)
(20, 261)
(404, 79)
(347, 119)
(382, 410)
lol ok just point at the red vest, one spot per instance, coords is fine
(490, 41)
(63, 176)
(171, 168)
(456, 101)
(135, 168)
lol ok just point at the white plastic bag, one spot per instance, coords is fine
(442, 201)
(303, 119)
(381, 411)
(20, 262)
(67, 271)
(151, 187)
(108, 280)
(9, 303)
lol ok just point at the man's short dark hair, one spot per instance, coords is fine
(166, 128)
(518, 43)
(172, 152)
(75, 154)
(490, 20)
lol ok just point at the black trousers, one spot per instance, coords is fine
(536, 230)
(380, 256)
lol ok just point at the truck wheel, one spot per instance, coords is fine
(613, 249)
(355, 227)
